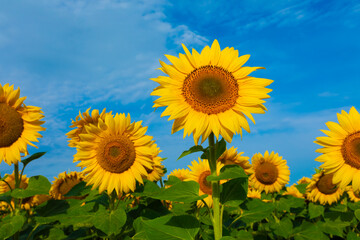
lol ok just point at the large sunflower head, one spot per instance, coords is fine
(157, 170)
(81, 120)
(182, 174)
(323, 190)
(271, 173)
(353, 195)
(210, 92)
(293, 191)
(19, 124)
(199, 171)
(115, 154)
(64, 183)
(231, 156)
(341, 149)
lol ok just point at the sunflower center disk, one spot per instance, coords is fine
(266, 173)
(116, 154)
(210, 89)
(205, 185)
(325, 184)
(11, 125)
(351, 150)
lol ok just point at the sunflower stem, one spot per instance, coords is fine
(217, 220)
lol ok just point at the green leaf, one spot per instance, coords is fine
(256, 210)
(357, 214)
(79, 189)
(302, 187)
(290, 204)
(37, 185)
(220, 148)
(110, 222)
(227, 238)
(169, 227)
(186, 192)
(172, 180)
(228, 172)
(10, 225)
(52, 207)
(234, 192)
(3, 178)
(338, 208)
(6, 197)
(196, 148)
(56, 234)
(315, 210)
(352, 236)
(333, 227)
(353, 205)
(308, 231)
(244, 235)
(282, 228)
(26, 161)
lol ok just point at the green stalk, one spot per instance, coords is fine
(217, 220)
(17, 203)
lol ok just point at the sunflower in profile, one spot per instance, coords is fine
(19, 125)
(157, 170)
(64, 183)
(321, 189)
(293, 191)
(271, 173)
(181, 174)
(231, 156)
(115, 154)
(199, 172)
(341, 149)
(354, 196)
(304, 180)
(81, 120)
(210, 92)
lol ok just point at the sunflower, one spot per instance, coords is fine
(210, 92)
(115, 154)
(293, 191)
(26, 203)
(321, 189)
(81, 120)
(19, 125)
(304, 180)
(271, 173)
(157, 170)
(354, 196)
(199, 171)
(64, 183)
(181, 174)
(230, 156)
(341, 149)
(253, 193)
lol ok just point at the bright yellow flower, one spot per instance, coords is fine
(19, 125)
(157, 170)
(341, 149)
(304, 180)
(293, 191)
(181, 174)
(115, 154)
(253, 193)
(210, 92)
(199, 171)
(354, 196)
(231, 156)
(64, 183)
(321, 189)
(81, 120)
(271, 173)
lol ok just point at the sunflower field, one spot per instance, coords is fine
(124, 192)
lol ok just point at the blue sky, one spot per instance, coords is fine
(68, 56)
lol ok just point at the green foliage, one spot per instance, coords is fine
(9, 225)
(37, 185)
(193, 149)
(33, 157)
(170, 227)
